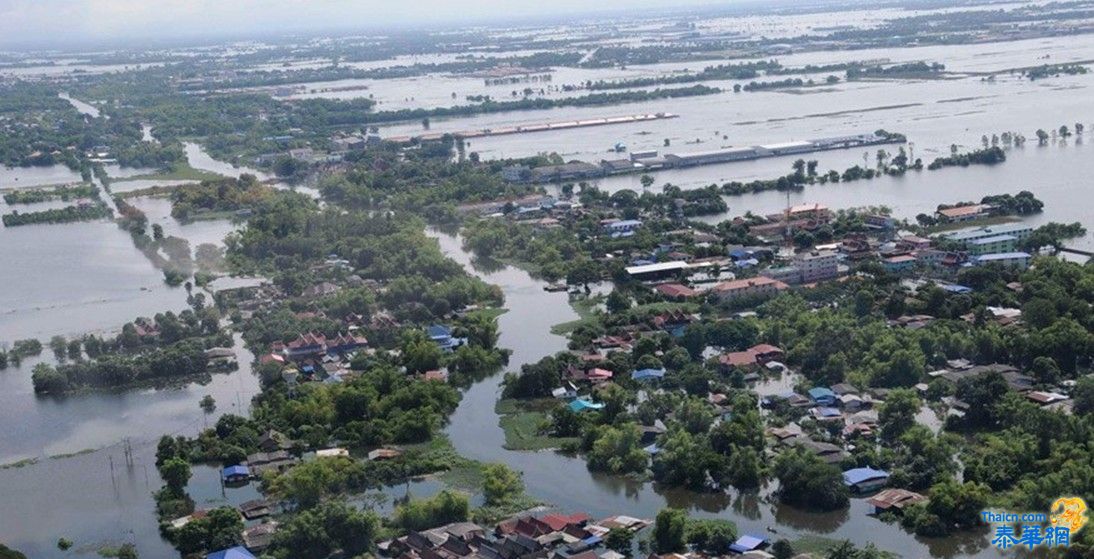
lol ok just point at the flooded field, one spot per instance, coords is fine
(88, 277)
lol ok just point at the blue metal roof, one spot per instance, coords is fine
(237, 470)
(859, 475)
(238, 552)
(644, 374)
(747, 543)
(821, 392)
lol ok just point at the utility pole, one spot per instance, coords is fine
(128, 453)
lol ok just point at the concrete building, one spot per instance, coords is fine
(1010, 259)
(964, 236)
(709, 157)
(897, 264)
(817, 266)
(990, 245)
(758, 287)
(788, 148)
(566, 171)
(787, 274)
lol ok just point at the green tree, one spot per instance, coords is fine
(617, 302)
(982, 393)
(806, 481)
(668, 531)
(897, 413)
(319, 531)
(620, 540)
(176, 474)
(711, 536)
(500, 484)
(1084, 396)
(443, 508)
(782, 549)
(617, 450)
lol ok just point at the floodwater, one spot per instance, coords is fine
(200, 159)
(566, 483)
(84, 108)
(87, 277)
(72, 279)
(82, 497)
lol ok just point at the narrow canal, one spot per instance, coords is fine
(565, 482)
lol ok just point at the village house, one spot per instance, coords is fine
(865, 480)
(752, 357)
(759, 287)
(894, 500)
(963, 213)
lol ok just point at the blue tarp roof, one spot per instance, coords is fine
(954, 288)
(652, 449)
(592, 540)
(643, 374)
(747, 543)
(238, 470)
(438, 331)
(582, 405)
(821, 392)
(624, 223)
(238, 552)
(859, 475)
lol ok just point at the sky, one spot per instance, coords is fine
(91, 21)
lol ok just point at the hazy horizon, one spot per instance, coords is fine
(43, 23)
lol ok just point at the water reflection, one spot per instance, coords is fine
(565, 481)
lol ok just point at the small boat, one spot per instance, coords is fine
(554, 287)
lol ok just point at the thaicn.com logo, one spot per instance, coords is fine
(1055, 528)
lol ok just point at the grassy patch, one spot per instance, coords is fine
(521, 420)
(179, 173)
(585, 307)
(461, 473)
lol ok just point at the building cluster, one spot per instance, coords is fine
(651, 160)
(759, 272)
(542, 536)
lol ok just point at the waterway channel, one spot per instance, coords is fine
(565, 482)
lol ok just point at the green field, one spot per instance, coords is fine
(521, 420)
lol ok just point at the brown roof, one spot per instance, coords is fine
(895, 498)
(757, 281)
(675, 290)
(962, 211)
